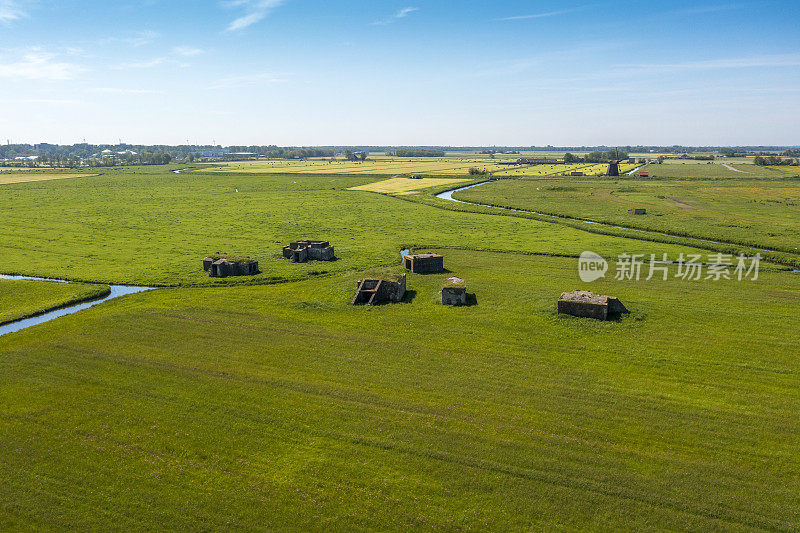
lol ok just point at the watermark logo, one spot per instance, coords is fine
(591, 267)
(691, 267)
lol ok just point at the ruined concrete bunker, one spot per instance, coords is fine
(454, 291)
(222, 266)
(424, 263)
(303, 251)
(375, 290)
(587, 304)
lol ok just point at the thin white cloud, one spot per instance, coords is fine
(148, 63)
(699, 10)
(122, 91)
(403, 13)
(762, 61)
(234, 82)
(137, 40)
(187, 51)
(255, 11)
(10, 11)
(38, 65)
(543, 15)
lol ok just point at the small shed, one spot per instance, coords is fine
(454, 291)
(424, 263)
(637, 211)
(587, 304)
(373, 290)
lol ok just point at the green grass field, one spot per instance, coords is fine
(271, 403)
(283, 407)
(23, 298)
(151, 227)
(698, 169)
(756, 212)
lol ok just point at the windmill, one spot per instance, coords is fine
(613, 165)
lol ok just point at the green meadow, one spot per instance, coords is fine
(24, 298)
(271, 403)
(762, 213)
(153, 227)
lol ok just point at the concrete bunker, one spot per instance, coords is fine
(303, 251)
(454, 291)
(222, 266)
(424, 263)
(587, 304)
(380, 288)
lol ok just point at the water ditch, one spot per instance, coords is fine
(47, 316)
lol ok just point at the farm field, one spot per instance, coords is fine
(254, 407)
(149, 226)
(7, 178)
(756, 212)
(557, 170)
(716, 170)
(252, 403)
(24, 298)
(383, 165)
(405, 185)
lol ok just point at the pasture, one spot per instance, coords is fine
(270, 402)
(696, 169)
(406, 185)
(763, 213)
(148, 226)
(258, 407)
(24, 298)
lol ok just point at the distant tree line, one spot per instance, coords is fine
(289, 152)
(697, 157)
(595, 157)
(417, 152)
(774, 161)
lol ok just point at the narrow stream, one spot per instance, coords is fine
(448, 195)
(116, 292)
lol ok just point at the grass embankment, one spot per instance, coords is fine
(21, 299)
(283, 406)
(756, 213)
(153, 227)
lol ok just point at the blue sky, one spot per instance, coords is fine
(312, 72)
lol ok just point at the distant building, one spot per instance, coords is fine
(637, 211)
